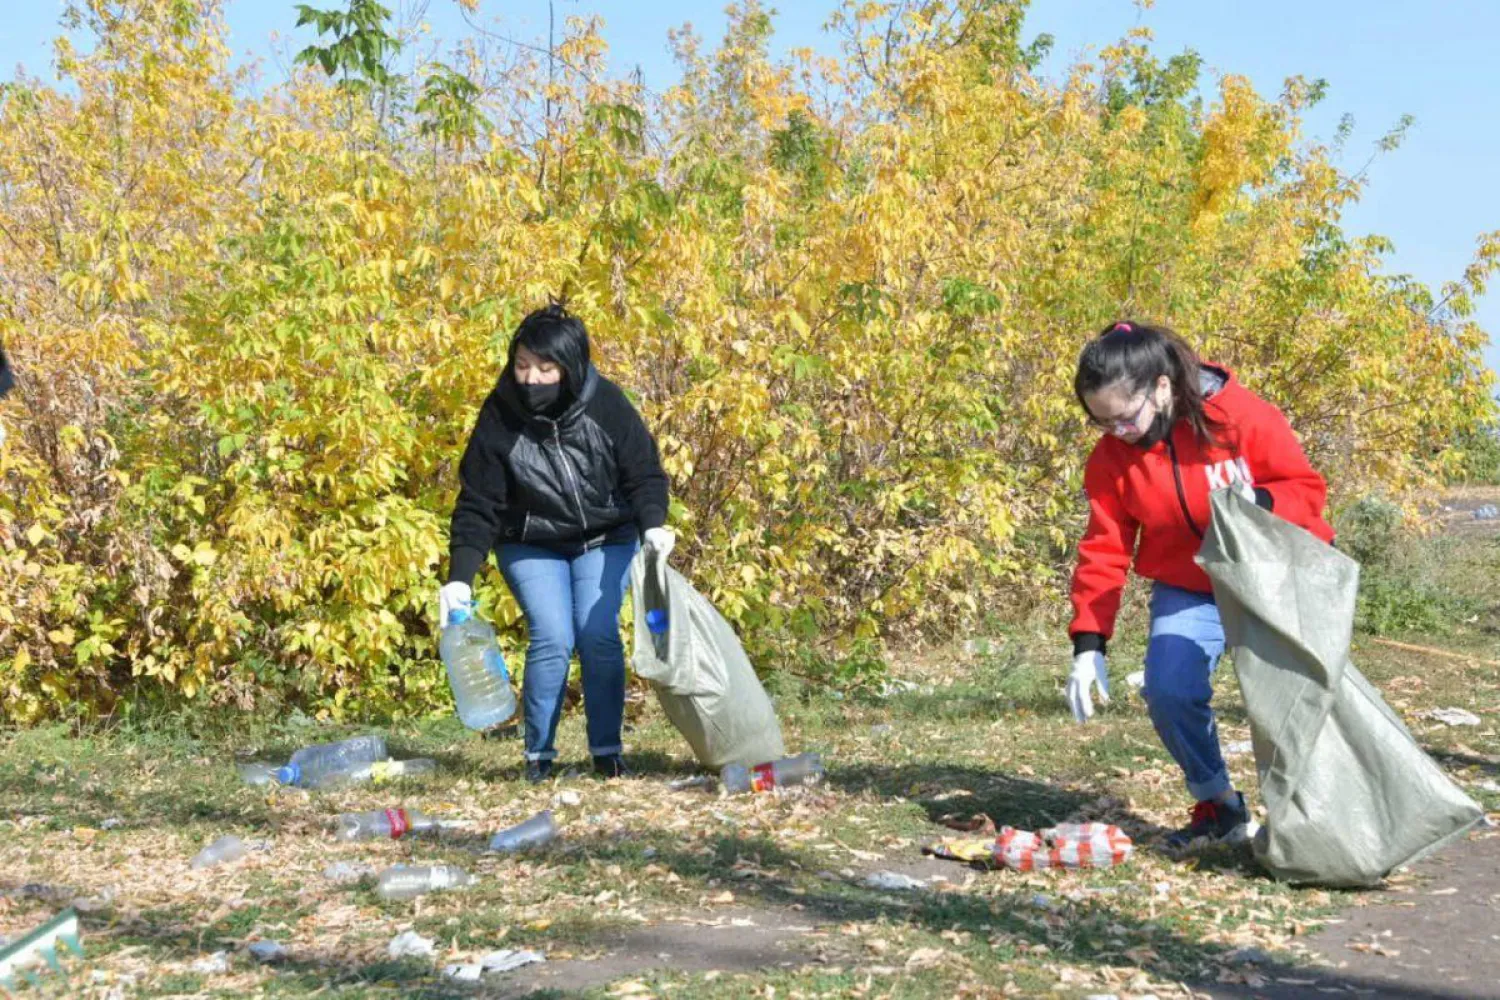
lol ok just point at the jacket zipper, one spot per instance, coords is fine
(562, 456)
(525, 525)
(1181, 493)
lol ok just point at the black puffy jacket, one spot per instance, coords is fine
(588, 476)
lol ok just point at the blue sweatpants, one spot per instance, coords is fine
(1187, 639)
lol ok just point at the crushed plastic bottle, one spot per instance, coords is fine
(408, 882)
(311, 764)
(374, 772)
(258, 774)
(476, 671)
(384, 824)
(346, 872)
(803, 769)
(536, 831)
(226, 848)
(1487, 513)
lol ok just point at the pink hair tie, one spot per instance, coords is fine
(1121, 326)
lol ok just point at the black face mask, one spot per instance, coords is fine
(539, 398)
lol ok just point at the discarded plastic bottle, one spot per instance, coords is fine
(384, 824)
(374, 772)
(1487, 513)
(403, 882)
(258, 774)
(803, 769)
(226, 848)
(309, 765)
(656, 621)
(536, 831)
(476, 671)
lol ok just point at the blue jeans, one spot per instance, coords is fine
(571, 603)
(1187, 639)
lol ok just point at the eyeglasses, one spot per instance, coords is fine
(1123, 425)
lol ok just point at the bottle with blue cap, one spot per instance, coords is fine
(311, 765)
(476, 671)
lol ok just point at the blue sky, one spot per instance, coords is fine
(1381, 58)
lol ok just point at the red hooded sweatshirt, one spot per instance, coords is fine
(1152, 503)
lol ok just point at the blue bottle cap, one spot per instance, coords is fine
(289, 774)
(460, 614)
(656, 621)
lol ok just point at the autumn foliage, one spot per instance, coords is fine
(253, 326)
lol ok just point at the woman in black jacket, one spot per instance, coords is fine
(563, 481)
(7, 382)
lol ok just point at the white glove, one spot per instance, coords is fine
(661, 541)
(1088, 669)
(453, 595)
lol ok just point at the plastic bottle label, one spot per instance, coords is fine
(763, 777)
(398, 821)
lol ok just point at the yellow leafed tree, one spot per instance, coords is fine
(253, 331)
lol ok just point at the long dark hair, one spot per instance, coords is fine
(554, 334)
(1136, 355)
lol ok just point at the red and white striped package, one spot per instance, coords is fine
(1069, 845)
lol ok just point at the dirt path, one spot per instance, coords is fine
(1435, 933)
(742, 940)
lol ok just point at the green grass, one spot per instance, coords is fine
(985, 733)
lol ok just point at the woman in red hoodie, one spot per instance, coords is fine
(1175, 429)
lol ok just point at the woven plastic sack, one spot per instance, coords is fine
(1349, 794)
(699, 670)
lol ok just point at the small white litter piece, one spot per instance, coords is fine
(1136, 680)
(410, 944)
(507, 959)
(893, 881)
(1238, 747)
(209, 964)
(464, 972)
(1451, 716)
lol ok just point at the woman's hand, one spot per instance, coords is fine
(451, 597)
(1088, 669)
(660, 540)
